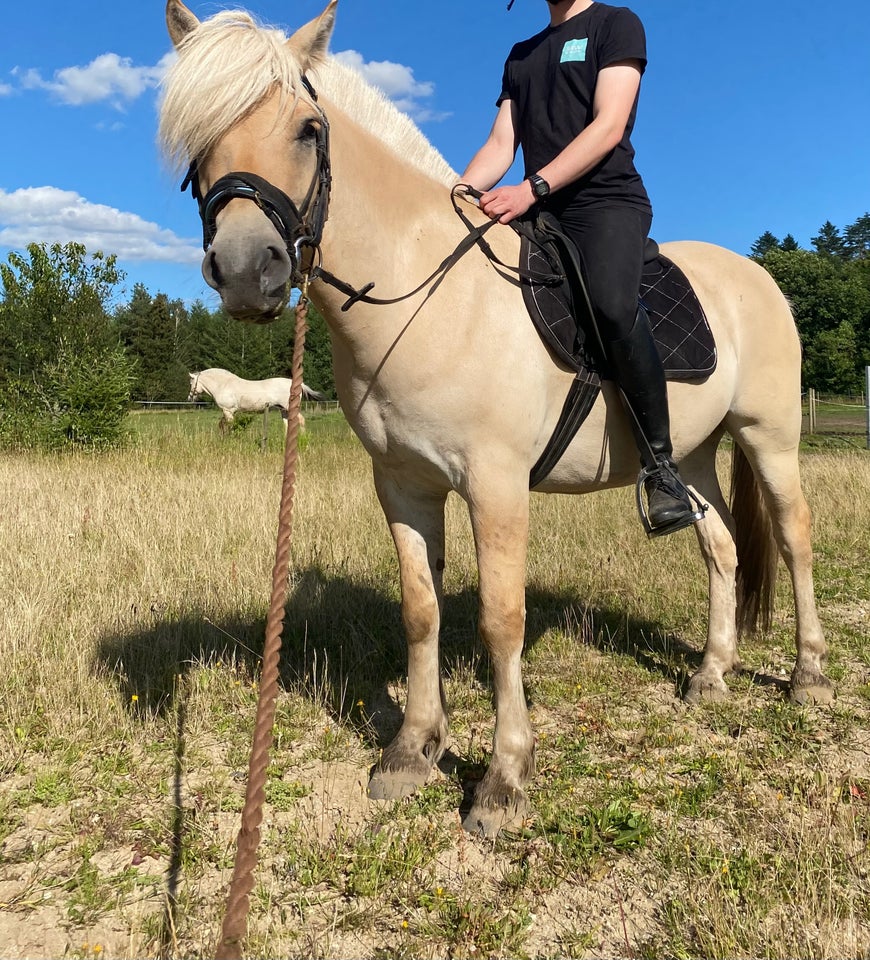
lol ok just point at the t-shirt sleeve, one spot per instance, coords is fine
(623, 38)
(505, 84)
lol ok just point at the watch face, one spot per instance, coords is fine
(540, 187)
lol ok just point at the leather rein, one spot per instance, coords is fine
(301, 228)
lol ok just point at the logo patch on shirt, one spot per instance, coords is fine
(574, 50)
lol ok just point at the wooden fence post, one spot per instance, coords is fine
(811, 409)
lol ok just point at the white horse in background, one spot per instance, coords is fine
(236, 395)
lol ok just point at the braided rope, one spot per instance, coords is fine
(238, 903)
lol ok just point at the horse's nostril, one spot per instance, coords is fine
(211, 271)
(275, 269)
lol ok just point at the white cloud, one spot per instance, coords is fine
(5, 90)
(397, 82)
(51, 215)
(107, 77)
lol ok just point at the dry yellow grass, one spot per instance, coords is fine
(135, 589)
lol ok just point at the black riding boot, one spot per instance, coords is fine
(637, 369)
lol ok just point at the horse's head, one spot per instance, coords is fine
(195, 389)
(238, 107)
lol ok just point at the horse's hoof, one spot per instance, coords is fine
(502, 811)
(811, 691)
(487, 822)
(393, 784)
(700, 688)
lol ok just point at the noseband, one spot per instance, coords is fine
(298, 226)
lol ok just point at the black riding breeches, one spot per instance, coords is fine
(611, 242)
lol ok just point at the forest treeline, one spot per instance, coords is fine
(72, 359)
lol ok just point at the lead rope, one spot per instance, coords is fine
(238, 903)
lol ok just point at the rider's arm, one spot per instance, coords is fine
(495, 157)
(615, 93)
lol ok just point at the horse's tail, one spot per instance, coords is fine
(757, 554)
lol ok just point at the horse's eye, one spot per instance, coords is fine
(309, 131)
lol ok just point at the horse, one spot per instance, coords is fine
(451, 389)
(235, 395)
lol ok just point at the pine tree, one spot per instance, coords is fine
(829, 243)
(766, 242)
(857, 238)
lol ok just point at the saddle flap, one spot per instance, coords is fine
(561, 313)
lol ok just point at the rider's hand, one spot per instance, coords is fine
(507, 203)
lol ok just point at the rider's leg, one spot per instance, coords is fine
(636, 363)
(611, 241)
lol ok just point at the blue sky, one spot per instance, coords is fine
(754, 116)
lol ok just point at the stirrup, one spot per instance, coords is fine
(700, 508)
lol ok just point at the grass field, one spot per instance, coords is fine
(135, 590)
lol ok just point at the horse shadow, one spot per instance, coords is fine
(343, 642)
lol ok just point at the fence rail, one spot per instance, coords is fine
(308, 406)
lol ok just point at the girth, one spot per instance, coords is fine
(563, 316)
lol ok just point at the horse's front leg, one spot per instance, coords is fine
(500, 520)
(416, 520)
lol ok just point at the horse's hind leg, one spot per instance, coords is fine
(416, 520)
(778, 474)
(717, 542)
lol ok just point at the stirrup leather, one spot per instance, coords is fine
(700, 508)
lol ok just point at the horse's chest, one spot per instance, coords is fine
(403, 438)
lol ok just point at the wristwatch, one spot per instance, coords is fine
(540, 187)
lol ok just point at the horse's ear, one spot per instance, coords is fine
(309, 43)
(179, 21)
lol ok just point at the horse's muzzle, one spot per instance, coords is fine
(253, 279)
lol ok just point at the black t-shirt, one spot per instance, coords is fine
(551, 80)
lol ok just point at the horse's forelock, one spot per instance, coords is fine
(230, 63)
(224, 68)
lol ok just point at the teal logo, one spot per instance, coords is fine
(574, 50)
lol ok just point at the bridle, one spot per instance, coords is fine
(299, 227)
(193, 393)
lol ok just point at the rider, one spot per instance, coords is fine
(569, 98)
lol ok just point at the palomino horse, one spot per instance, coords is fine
(452, 389)
(235, 395)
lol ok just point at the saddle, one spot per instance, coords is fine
(554, 290)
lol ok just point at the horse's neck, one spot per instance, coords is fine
(380, 210)
(216, 380)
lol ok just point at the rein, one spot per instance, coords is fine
(235, 919)
(474, 238)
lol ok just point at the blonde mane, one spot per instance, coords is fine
(230, 63)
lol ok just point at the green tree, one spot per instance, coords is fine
(766, 242)
(155, 333)
(51, 294)
(856, 238)
(829, 242)
(789, 244)
(829, 361)
(64, 377)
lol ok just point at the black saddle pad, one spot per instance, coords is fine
(559, 310)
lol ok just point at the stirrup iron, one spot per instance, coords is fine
(700, 508)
